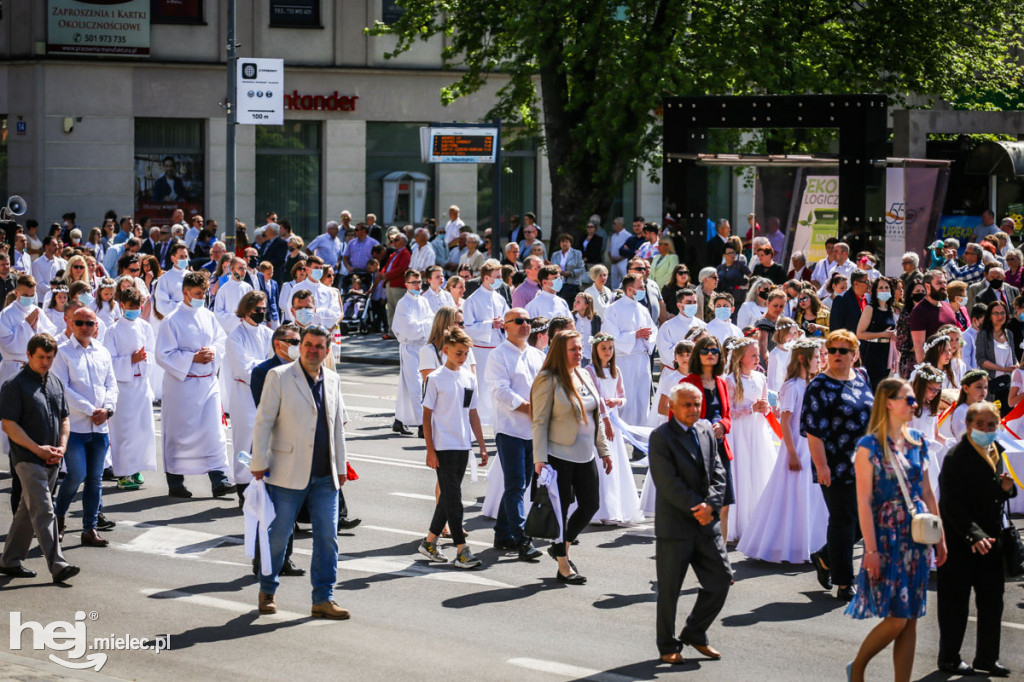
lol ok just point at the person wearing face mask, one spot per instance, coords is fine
(721, 326)
(933, 312)
(130, 342)
(677, 329)
(877, 327)
(435, 295)
(230, 295)
(484, 313)
(167, 292)
(997, 289)
(19, 322)
(629, 321)
(547, 302)
(973, 487)
(756, 304)
(190, 349)
(411, 325)
(328, 306)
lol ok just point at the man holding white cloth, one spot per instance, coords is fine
(636, 336)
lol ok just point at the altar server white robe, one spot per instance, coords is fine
(478, 312)
(623, 319)
(246, 347)
(411, 325)
(193, 439)
(132, 434)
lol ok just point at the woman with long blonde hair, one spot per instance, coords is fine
(893, 579)
(567, 430)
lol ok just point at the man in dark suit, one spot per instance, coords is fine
(149, 246)
(591, 245)
(263, 280)
(997, 289)
(690, 480)
(847, 308)
(169, 187)
(275, 251)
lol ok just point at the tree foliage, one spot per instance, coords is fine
(587, 76)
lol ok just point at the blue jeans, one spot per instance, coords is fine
(321, 499)
(516, 458)
(84, 459)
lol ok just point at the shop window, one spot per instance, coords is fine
(391, 11)
(518, 183)
(176, 11)
(295, 14)
(399, 185)
(288, 174)
(169, 168)
(623, 205)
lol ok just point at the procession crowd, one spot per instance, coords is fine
(797, 410)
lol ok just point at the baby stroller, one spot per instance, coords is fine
(355, 311)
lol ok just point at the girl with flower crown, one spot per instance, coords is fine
(750, 439)
(938, 353)
(789, 521)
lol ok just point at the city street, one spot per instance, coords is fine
(177, 568)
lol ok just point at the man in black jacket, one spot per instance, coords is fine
(847, 308)
(690, 479)
(7, 282)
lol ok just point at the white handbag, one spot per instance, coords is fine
(925, 528)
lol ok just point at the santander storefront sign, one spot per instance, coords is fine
(332, 102)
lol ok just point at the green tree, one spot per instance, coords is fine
(587, 76)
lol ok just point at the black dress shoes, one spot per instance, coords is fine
(993, 669)
(419, 431)
(182, 492)
(290, 569)
(18, 571)
(347, 524)
(823, 574)
(65, 574)
(103, 523)
(223, 489)
(527, 552)
(845, 594)
(399, 427)
(574, 579)
(957, 668)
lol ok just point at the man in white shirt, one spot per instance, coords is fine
(327, 246)
(619, 262)
(87, 372)
(484, 316)
(547, 303)
(411, 326)
(167, 292)
(844, 266)
(230, 293)
(823, 268)
(435, 296)
(328, 306)
(629, 321)
(193, 232)
(47, 266)
(454, 226)
(20, 259)
(722, 327)
(423, 254)
(677, 328)
(509, 376)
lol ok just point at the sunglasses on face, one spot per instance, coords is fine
(291, 342)
(518, 320)
(911, 400)
(710, 351)
(78, 267)
(85, 323)
(841, 351)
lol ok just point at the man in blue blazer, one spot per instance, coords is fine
(847, 308)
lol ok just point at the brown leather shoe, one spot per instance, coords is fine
(91, 538)
(674, 659)
(267, 605)
(60, 529)
(329, 610)
(708, 651)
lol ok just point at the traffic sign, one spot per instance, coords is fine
(259, 91)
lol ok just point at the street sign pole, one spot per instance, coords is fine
(496, 211)
(232, 112)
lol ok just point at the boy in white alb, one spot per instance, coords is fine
(450, 422)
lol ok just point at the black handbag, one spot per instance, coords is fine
(541, 521)
(1012, 547)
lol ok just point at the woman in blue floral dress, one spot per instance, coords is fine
(893, 580)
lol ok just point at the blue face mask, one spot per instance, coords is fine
(131, 315)
(884, 296)
(983, 439)
(723, 314)
(556, 284)
(182, 264)
(415, 292)
(315, 274)
(304, 316)
(640, 296)
(690, 309)
(86, 299)
(26, 301)
(197, 303)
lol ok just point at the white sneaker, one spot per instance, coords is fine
(429, 550)
(466, 559)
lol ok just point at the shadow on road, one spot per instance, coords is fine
(501, 595)
(241, 627)
(817, 603)
(619, 601)
(236, 585)
(652, 669)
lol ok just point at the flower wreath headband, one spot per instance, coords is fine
(927, 372)
(936, 341)
(540, 329)
(734, 344)
(600, 337)
(804, 344)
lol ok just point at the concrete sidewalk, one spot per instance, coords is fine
(368, 350)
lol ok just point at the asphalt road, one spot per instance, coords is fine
(177, 568)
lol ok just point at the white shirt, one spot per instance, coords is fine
(509, 377)
(430, 359)
(623, 319)
(15, 331)
(422, 257)
(823, 270)
(750, 312)
(89, 382)
(226, 303)
(327, 248)
(479, 311)
(22, 262)
(722, 330)
(167, 293)
(546, 304)
(450, 395)
(123, 339)
(452, 230)
(191, 237)
(846, 268)
(328, 306)
(438, 299)
(44, 270)
(617, 241)
(671, 333)
(970, 337)
(413, 320)
(602, 299)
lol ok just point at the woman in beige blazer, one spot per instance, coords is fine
(567, 420)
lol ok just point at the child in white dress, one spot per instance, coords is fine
(107, 308)
(938, 353)
(786, 332)
(668, 379)
(620, 503)
(790, 520)
(956, 350)
(750, 438)
(584, 318)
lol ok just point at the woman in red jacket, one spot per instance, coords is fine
(706, 368)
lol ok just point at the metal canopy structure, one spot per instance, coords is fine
(996, 158)
(860, 119)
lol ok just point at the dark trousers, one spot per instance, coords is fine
(217, 477)
(15, 486)
(577, 481)
(451, 469)
(962, 572)
(843, 531)
(515, 455)
(708, 557)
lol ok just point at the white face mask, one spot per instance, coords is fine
(293, 352)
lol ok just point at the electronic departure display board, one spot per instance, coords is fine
(458, 145)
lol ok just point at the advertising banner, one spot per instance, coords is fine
(959, 227)
(895, 222)
(260, 91)
(817, 216)
(107, 27)
(164, 182)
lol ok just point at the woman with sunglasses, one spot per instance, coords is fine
(836, 409)
(679, 280)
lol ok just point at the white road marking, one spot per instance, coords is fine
(389, 461)
(409, 569)
(430, 498)
(226, 605)
(566, 670)
(1015, 626)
